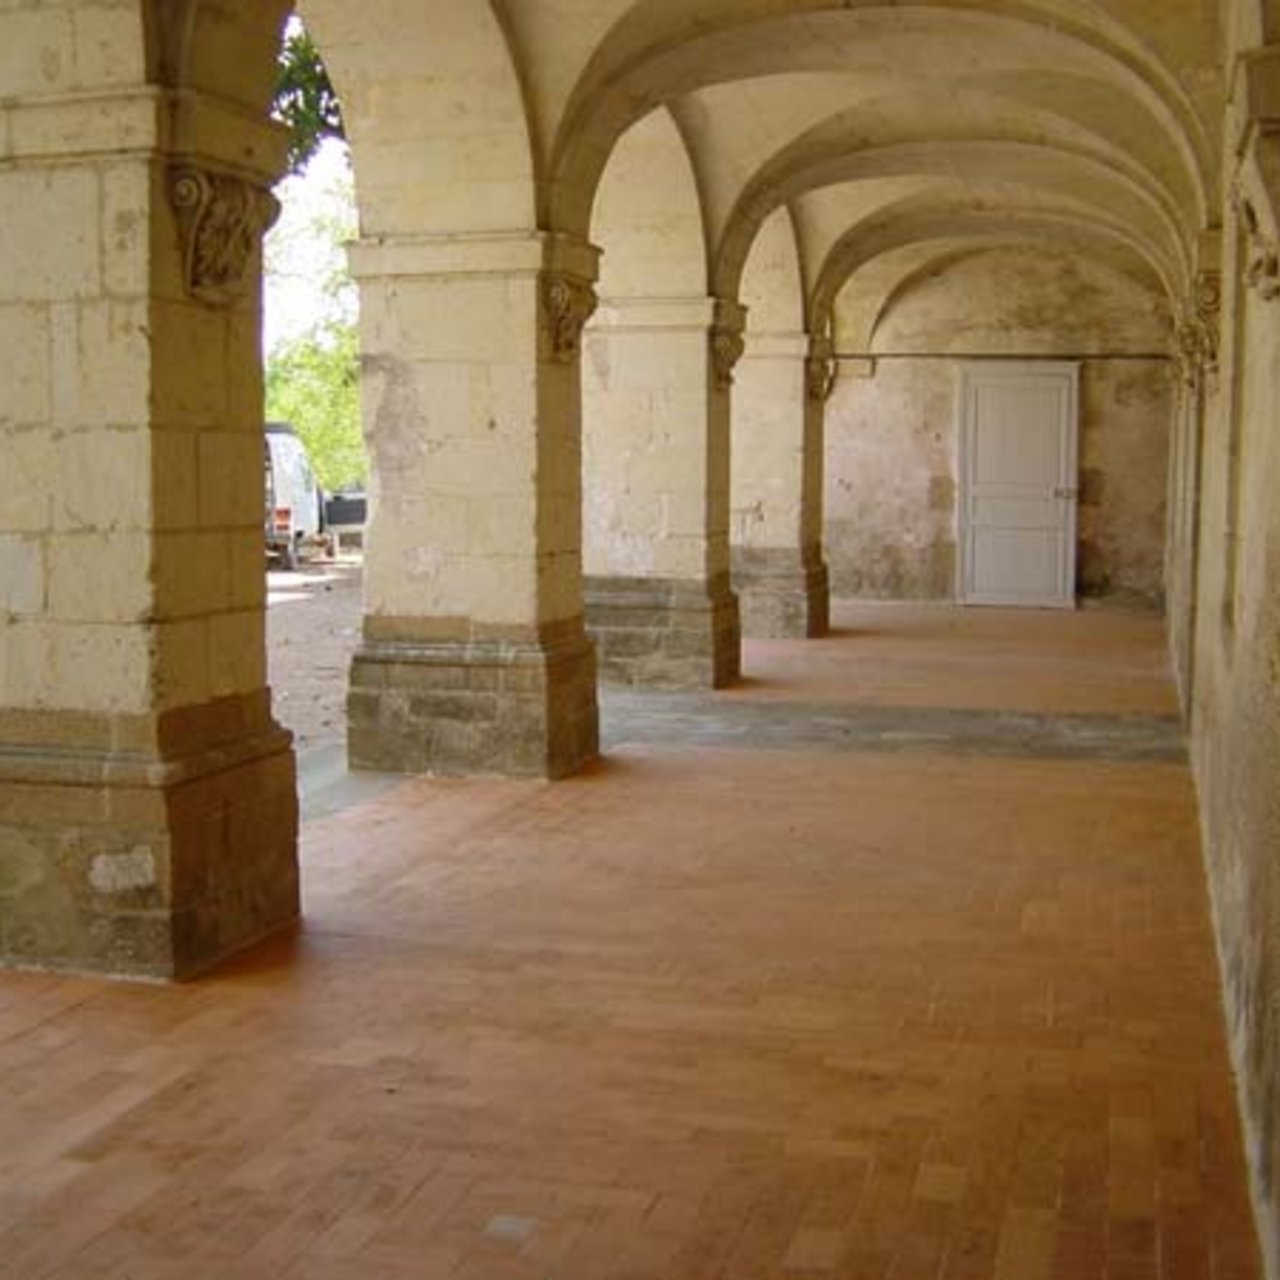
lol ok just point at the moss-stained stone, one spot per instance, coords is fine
(893, 446)
(150, 863)
(693, 720)
(517, 704)
(663, 633)
(1228, 614)
(782, 594)
(892, 481)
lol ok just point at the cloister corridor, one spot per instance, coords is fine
(894, 961)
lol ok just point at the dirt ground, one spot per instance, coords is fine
(313, 625)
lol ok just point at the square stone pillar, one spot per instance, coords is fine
(657, 379)
(783, 385)
(148, 816)
(474, 657)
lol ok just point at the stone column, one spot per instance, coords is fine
(1195, 363)
(784, 383)
(148, 815)
(474, 658)
(658, 374)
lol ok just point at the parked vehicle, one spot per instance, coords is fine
(294, 517)
(346, 512)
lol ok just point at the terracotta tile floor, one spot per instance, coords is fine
(923, 655)
(697, 1015)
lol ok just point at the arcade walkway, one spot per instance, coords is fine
(893, 963)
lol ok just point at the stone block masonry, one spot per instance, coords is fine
(665, 633)
(145, 846)
(499, 701)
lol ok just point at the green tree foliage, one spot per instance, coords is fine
(313, 382)
(313, 374)
(305, 100)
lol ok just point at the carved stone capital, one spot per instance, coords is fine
(221, 220)
(1208, 312)
(727, 348)
(1262, 267)
(1263, 272)
(567, 304)
(1187, 346)
(727, 341)
(821, 371)
(1197, 337)
(1257, 201)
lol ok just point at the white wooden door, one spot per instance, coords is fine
(1019, 483)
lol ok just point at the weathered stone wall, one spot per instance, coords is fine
(148, 816)
(776, 466)
(891, 490)
(656, 429)
(1232, 678)
(893, 437)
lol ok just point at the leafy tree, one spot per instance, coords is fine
(313, 382)
(305, 100)
(313, 373)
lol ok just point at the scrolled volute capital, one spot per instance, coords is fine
(221, 221)
(568, 302)
(727, 341)
(1198, 336)
(821, 371)
(727, 348)
(1256, 196)
(1187, 346)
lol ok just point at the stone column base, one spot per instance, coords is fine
(665, 633)
(145, 847)
(493, 703)
(785, 595)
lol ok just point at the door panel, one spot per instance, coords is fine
(1018, 484)
(1027, 557)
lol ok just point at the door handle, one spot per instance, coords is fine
(1070, 494)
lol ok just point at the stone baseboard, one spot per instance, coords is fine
(661, 633)
(145, 848)
(509, 705)
(784, 595)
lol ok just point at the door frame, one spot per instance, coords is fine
(970, 371)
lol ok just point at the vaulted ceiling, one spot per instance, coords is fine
(895, 135)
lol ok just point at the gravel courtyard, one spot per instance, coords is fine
(313, 626)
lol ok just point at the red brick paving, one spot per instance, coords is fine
(695, 1015)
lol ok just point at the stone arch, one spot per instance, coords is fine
(915, 220)
(655, 426)
(1118, 305)
(224, 48)
(1053, 170)
(436, 113)
(773, 288)
(648, 58)
(647, 218)
(648, 222)
(870, 290)
(778, 571)
(916, 310)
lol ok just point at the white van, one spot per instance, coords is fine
(294, 520)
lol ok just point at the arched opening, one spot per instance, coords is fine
(780, 392)
(921, 184)
(895, 449)
(316, 465)
(656, 430)
(470, 318)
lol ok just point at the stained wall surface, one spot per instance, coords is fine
(893, 437)
(1228, 628)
